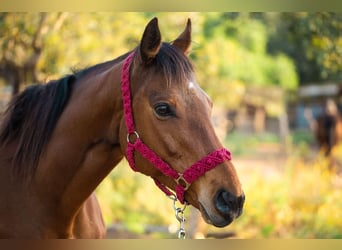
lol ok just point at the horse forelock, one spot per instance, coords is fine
(174, 65)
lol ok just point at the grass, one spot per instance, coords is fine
(245, 144)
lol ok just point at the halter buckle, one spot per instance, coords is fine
(182, 182)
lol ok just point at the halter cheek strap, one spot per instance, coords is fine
(134, 143)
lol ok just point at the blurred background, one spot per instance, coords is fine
(276, 83)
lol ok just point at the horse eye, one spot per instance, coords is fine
(163, 110)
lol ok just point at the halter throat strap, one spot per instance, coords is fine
(134, 143)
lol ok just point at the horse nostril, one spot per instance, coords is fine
(228, 205)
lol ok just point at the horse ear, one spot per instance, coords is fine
(150, 42)
(183, 42)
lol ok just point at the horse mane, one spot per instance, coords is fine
(30, 119)
(32, 115)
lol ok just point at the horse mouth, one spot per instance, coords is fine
(217, 221)
(204, 213)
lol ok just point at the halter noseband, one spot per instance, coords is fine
(134, 143)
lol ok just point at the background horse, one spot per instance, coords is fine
(329, 132)
(60, 140)
(327, 126)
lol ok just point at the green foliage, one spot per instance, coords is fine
(312, 40)
(234, 57)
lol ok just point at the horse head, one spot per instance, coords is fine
(170, 116)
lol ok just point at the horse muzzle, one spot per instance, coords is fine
(227, 208)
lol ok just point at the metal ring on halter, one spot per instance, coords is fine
(129, 137)
(181, 181)
(178, 209)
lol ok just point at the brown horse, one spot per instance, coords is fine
(327, 127)
(329, 132)
(60, 140)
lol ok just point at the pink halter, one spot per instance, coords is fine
(134, 143)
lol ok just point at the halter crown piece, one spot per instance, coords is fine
(134, 143)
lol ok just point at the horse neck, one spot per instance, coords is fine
(84, 146)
